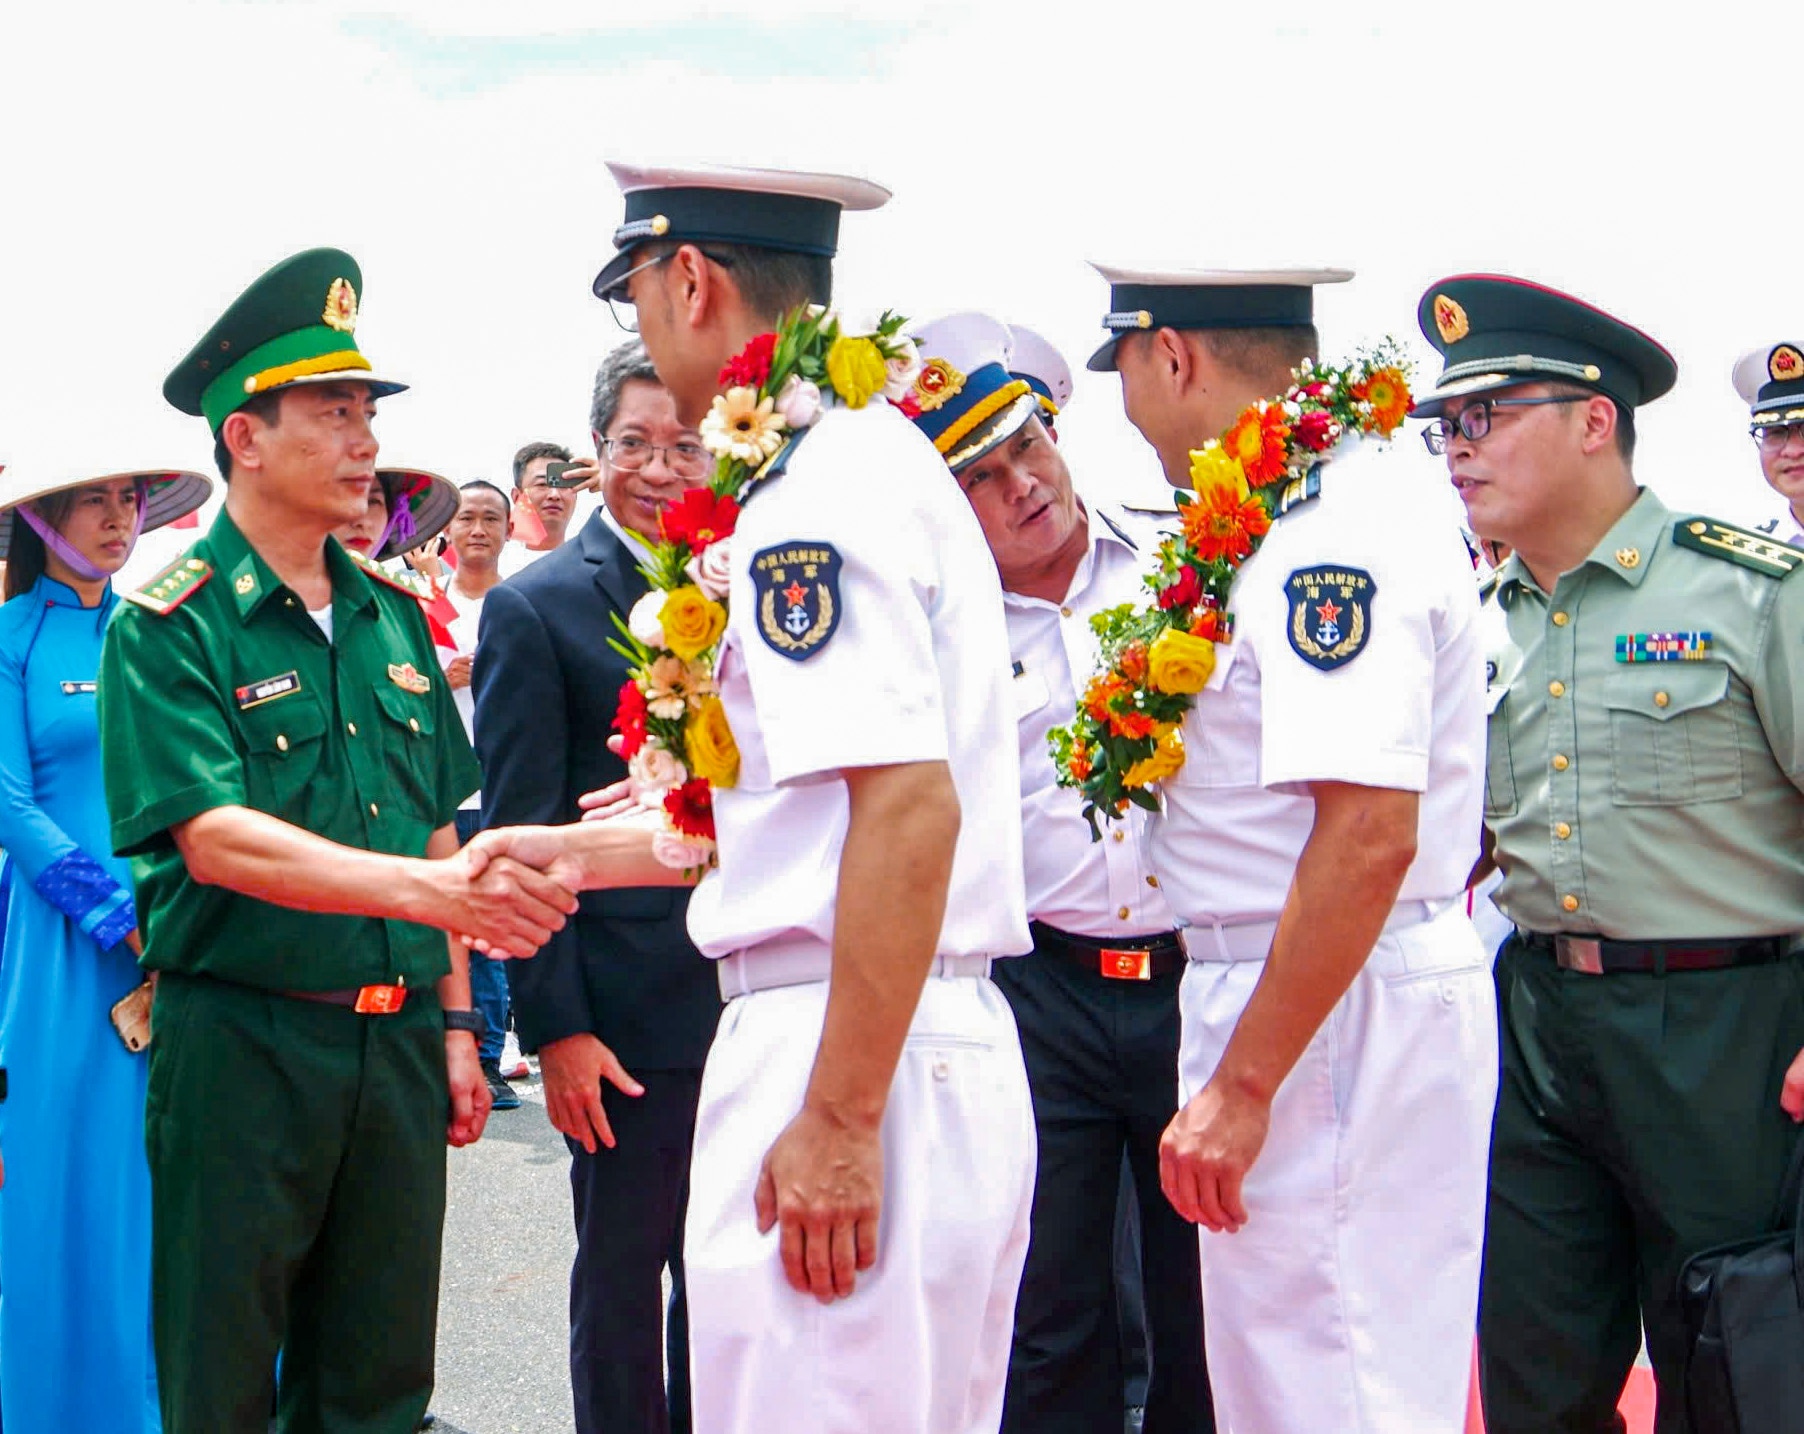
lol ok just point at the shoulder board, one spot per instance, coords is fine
(1299, 491)
(1487, 587)
(172, 587)
(1738, 545)
(775, 465)
(381, 575)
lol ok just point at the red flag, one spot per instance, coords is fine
(441, 612)
(187, 520)
(527, 526)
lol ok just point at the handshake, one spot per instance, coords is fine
(509, 889)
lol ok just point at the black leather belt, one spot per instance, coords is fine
(1595, 956)
(1120, 958)
(364, 1000)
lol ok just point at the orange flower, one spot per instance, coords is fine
(1223, 523)
(1102, 690)
(1258, 441)
(1388, 393)
(1130, 724)
(1080, 765)
(1206, 623)
(1132, 661)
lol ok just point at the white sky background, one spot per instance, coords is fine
(157, 156)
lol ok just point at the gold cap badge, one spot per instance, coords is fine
(1785, 364)
(341, 306)
(1450, 320)
(938, 382)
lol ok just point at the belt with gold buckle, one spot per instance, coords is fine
(1118, 958)
(364, 1000)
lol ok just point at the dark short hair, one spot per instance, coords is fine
(474, 483)
(625, 364)
(1625, 416)
(772, 282)
(266, 406)
(531, 451)
(1267, 355)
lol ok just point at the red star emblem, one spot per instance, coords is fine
(795, 594)
(1328, 609)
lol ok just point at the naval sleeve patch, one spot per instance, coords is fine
(1330, 614)
(795, 587)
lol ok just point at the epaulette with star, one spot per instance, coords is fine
(382, 575)
(1738, 545)
(172, 587)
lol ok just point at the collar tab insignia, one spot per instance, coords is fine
(1628, 557)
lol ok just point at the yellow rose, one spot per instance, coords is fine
(856, 369)
(1167, 757)
(1212, 469)
(692, 623)
(713, 754)
(1177, 662)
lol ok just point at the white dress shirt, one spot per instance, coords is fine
(917, 670)
(1079, 885)
(1405, 712)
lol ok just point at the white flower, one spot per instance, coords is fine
(643, 621)
(799, 404)
(743, 426)
(711, 569)
(652, 772)
(904, 365)
(673, 849)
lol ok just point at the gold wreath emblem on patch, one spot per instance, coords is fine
(341, 306)
(1785, 364)
(1450, 320)
(1309, 647)
(811, 636)
(938, 382)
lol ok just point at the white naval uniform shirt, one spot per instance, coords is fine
(917, 670)
(1086, 887)
(1406, 712)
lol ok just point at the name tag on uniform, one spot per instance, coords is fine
(255, 694)
(1662, 646)
(73, 689)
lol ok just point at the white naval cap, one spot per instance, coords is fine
(1770, 380)
(1142, 298)
(796, 211)
(1034, 358)
(966, 399)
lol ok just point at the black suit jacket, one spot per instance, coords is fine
(547, 683)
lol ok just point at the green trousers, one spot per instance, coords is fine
(1638, 1122)
(297, 1163)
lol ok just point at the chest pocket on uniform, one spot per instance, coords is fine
(407, 749)
(1500, 768)
(1672, 735)
(283, 743)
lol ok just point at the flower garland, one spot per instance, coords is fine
(674, 733)
(1124, 737)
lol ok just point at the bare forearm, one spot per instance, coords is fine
(609, 855)
(1345, 885)
(454, 987)
(258, 855)
(894, 873)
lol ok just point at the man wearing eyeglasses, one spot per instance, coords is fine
(623, 989)
(1646, 750)
(1770, 381)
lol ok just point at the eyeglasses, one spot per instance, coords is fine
(1474, 420)
(624, 310)
(1773, 436)
(686, 460)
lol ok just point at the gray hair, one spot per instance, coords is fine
(619, 368)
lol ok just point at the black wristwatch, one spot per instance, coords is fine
(470, 1021)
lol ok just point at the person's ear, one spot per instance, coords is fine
(692, 285)
(1600, 418)
(1174, 360)
(239, 435)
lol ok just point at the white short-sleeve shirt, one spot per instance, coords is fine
(916, 669)
(1406, 711)
(1091, 888)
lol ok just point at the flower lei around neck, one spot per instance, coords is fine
(1124, 737)
(674, 731)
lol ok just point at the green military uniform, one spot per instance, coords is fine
(296, 1146)
(1643, 791)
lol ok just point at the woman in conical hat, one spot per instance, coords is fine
(75, 1347)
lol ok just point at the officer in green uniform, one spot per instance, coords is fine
(283, 762)
(1645, 757)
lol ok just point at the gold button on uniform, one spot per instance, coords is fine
(374, 811)
(351, 727)
(1064, 612)
(1562, 830)
(1556, 689)
(1569, 903)
(413, 725)
(1152, 881)
(1119, 834)
(281, 742)
(1560, 762)
(1124, 913)
(1560, 619)
(1661, 699)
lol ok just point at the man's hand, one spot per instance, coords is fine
(457, 671)
(823, 1183)
(1791, 1094)
(470, 1098)
(424, 560)
(572, 1071)
(509, 905)
(582, 476)
(547, 850)
(605, 803)
(1206, 1152)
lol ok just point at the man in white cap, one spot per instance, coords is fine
(863, 1165)
(1770, 381)
(1339, 1034)
(1097, 1000)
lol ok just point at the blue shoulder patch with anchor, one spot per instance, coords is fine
(796, 588)
(1330, 614)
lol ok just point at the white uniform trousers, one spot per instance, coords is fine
(922, 1345)
(1349, 1299)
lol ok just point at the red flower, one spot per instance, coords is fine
(700, 518)
(691, 808)
(629, 718)
(1315, 430)
(910, 405)
(1183, 591)
(752, 366)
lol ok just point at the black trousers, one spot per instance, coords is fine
(629, 1204)
(1102, 1062)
